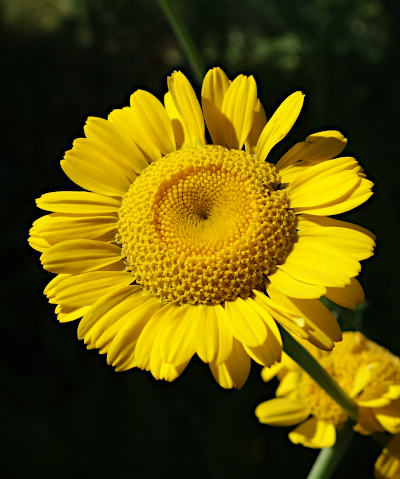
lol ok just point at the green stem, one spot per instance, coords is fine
(312, 367)
(329, 458)
(184, 38)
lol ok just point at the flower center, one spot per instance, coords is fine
(205, 225)
(320, 403)
(343, 363)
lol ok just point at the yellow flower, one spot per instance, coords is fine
(367, 372)
(388, 464)
(181, 247)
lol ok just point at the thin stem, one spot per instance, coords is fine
(329, 458)
(312, 367)
(184, 38)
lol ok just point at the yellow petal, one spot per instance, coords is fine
(66, 314)
(55, 228)
(323, 183)
(179, 335)
(269, 373)
(287, 318)
(225, 336)
(176, 120)
(314, 433)
(91, 171)
(153, 129)
(167, 372)
(147, 351)
(307, 222)
(271, 350)
(388, 464)
(214, 339)
(134, 312)
(326, 169)
(129, 122)
(355, 240)
(279, 124)
(362, 378)
(289, 383)
(330, 187)
(294, 287)
(354, 198)
(367, 422)
(349, 296)
(373, 402)
(86, 288)
(374, 396)
(320, 324)
(108, 140)
(123, 344)
(37, 242)
(393, 391)
(259, 122)
(53, 284)
(310, 262)
(238, 107)
(233, 372)
(188, 107)
(358, 195)
(124, 119)
(281, 412)
(389, 417)
(320, 263)
(79, 203)
(108, 310)
(245, 323)
(321, 146)
(81, 256)
(104, 305)
(148, 347)
(129, 363)
(104, 162)
(215, 85)
(207, 339)
(266, 354)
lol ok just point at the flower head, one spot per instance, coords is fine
(178, 246)
(367, 372)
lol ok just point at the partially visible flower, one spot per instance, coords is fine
(388, 464)
(180, 247)
(366, 371)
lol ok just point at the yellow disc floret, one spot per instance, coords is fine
(205, 225)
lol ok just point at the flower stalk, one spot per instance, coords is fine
(184, 38)
(312, 367)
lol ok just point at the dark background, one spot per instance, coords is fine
(64, 413)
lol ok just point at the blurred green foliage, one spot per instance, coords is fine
(63, 411)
